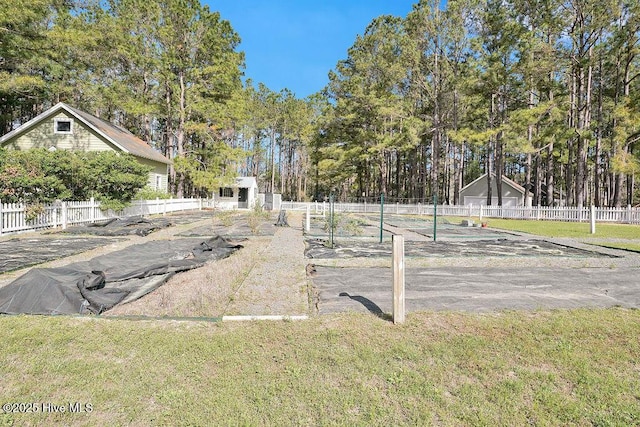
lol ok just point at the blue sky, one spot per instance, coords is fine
(295, 43)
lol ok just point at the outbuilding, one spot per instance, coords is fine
(241, 195)
(475, 193)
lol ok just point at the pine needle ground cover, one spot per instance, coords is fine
(577, 367)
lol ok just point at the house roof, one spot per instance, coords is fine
(121, 138)
(506, 180)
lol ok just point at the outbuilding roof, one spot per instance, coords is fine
(506, 180)
(246, 182)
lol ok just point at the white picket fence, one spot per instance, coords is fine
(14, 217)
(626, 215)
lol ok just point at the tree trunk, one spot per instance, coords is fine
(169, 147)
(180, 132)
(272, 138)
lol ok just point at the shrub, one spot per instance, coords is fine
(38, 176)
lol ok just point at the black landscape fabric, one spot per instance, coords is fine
(99, 284)
(135, 225)
(23, 252)
(316, 248)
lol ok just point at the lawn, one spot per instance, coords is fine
(577, 367)
(574, 230)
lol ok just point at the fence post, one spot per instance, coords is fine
(64, 215)
(308, 224)
(1, 218)
(593, 219)
(381, 214)
(92, 213)
(398, 313)
(480, 213)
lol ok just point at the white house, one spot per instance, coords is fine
(475, 193)
(241, 195)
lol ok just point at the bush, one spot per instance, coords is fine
(148, 193)
(38, 176)
(25, 178)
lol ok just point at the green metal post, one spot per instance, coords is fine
(331, 224)
(435, 215)
(381, 214)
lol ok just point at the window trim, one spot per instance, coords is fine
(62, 119)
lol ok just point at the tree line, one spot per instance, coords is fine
(167, 70)
(545, 92)
(542, 91)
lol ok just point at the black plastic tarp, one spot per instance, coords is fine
(101, 283)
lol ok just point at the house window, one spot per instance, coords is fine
(226, 192)
(158, 182)
(63, 126)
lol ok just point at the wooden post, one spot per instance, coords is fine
(593, 219)
(308, 224)
(1, 218)
(398, 278)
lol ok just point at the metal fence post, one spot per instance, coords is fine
(381, 214)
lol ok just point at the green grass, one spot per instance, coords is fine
(560, 229)
(576, 367)
(634, 247)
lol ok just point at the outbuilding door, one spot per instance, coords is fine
(243, 198)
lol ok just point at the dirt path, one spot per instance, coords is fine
(276, 284)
